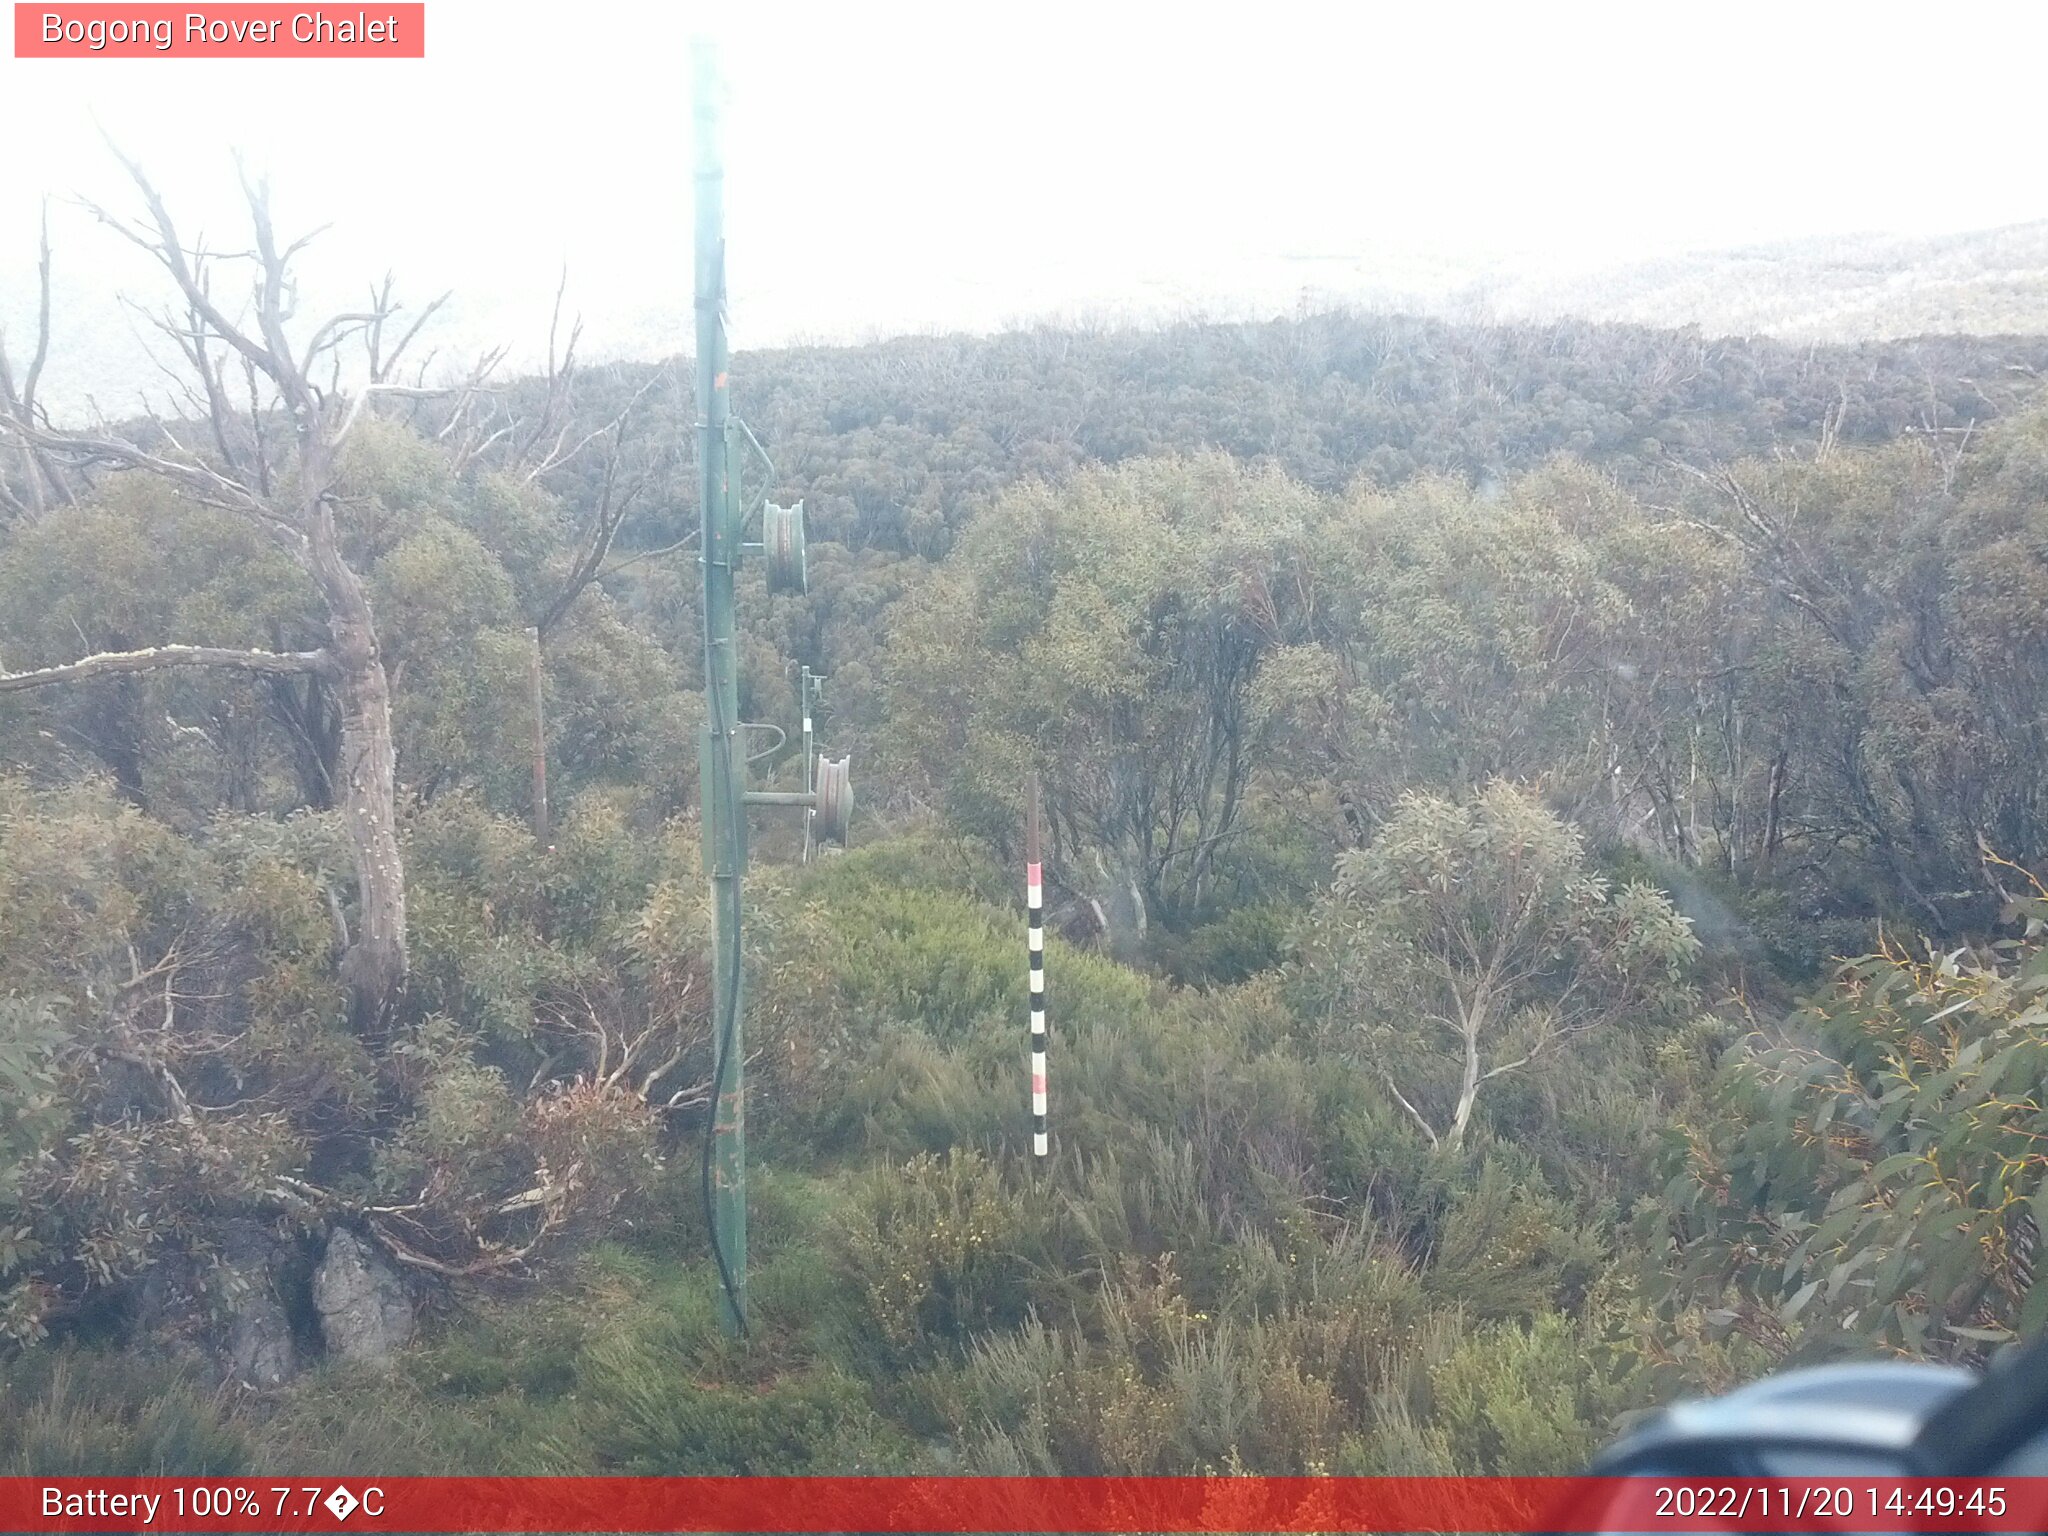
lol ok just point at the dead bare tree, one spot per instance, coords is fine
(40, 480)
(552, 437)
(619, 488)
(548, 443)
(272, 460)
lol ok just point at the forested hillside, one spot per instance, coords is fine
(1424, 713)
(1985, 282)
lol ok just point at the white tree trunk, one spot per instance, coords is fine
(1471, 1023)
(374, 966)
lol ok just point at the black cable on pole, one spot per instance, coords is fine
(729, 1011)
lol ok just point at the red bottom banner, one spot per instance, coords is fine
(1021, 1504)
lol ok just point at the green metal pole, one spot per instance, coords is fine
(720, 766)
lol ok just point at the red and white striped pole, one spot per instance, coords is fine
(1034, 906)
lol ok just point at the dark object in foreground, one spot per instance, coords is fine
(1871, 1418)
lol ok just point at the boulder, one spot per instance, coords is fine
(260, 1347)
(365, 1311)
(231, 1302)
(259, 1328)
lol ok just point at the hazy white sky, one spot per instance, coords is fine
(901, 167)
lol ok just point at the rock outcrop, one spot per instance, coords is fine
(260, 1346)
(366, 1313)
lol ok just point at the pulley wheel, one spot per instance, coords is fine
(835, 800)
(782, 538)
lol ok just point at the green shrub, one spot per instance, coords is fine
(1231, 949)
(1532, 1400)
(654, 1424)
(1502, 1246)
(932, 1248)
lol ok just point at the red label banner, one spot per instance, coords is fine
(225, 31)
(1021, 1504)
